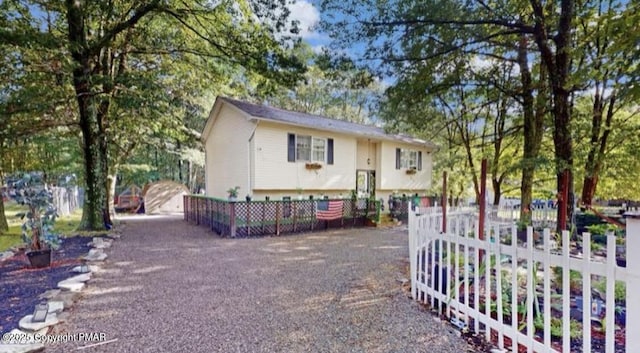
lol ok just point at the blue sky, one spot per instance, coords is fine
(308, 14)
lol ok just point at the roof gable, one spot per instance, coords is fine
(262, 112)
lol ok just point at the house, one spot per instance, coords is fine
(273, 152)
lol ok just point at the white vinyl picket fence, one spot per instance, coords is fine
(449, 272)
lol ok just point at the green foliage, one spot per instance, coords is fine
(454, 62)
(575, 327)
(620, 289)
(333, 86)
(37, 229)
(132, 75)
(601, 229)
(233, 192)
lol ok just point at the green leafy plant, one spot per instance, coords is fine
(575, 327)
(522, 225)
(233, 192)
(601, 229)
(39, 219)
(620, 289)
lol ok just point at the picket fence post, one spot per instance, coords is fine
(412, 252)
(633, 281)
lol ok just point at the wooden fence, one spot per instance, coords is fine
(526, 298)
(260, 218)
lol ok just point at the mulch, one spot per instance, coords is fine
(21, 285)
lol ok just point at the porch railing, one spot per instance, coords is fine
(261, 218)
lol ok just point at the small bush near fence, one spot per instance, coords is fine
(260, 218)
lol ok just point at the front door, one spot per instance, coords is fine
(366, 183)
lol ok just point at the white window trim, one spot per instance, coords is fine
(312, 149)
(324, 149)
(406, 157)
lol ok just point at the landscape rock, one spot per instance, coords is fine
(66, 297)
(71, 286)
(51, 293)
(56, 306)
(95, 255)
(101, 243)
(26, 324)
(79, 269)
(85, 277)
(21, 348)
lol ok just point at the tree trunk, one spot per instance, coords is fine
(95, 180)
(499, 132)
(92, 210)
(533, 127)
(4, 226)
(557, 58)
(597, 148)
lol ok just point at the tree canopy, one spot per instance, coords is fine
(123, 74)
(447, 58)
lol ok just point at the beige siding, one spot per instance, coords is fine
(273, 173)
(389, 178)
(227, 153)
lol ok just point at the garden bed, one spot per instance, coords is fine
(22, 285)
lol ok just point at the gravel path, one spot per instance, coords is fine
(173, 287)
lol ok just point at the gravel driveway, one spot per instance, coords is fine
(173, 287)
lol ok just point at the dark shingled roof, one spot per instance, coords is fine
(262, 112)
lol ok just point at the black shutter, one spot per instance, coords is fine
(291, 151)
(397, 158)
(419, 160)
(329, 151)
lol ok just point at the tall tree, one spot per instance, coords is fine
(603, 62)
(99, 42)
(404, 35)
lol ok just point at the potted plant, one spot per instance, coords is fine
(37, 228)
(411, 171)
(233, 193)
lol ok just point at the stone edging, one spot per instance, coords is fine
(30, 335)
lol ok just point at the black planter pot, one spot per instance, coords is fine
(40, 258)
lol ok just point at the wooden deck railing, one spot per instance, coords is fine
(261, 218)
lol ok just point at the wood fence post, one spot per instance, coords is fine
(633, 280)
(185, 208)
(232, 219)
(278, 204)
(197, 211)
(444, 202)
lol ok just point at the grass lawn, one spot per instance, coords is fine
(66, 226)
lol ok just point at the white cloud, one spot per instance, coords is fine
(318, 48)
(307, 16)
(481, 63)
